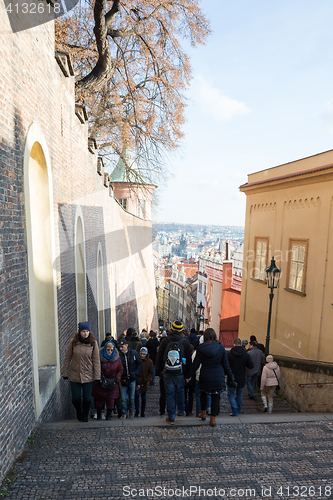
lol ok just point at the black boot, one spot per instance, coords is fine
(142, 414)
(99, 413)
(77, 406)
(108, 413)
(136, 413)
(85, 412)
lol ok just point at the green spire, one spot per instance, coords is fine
(126, 170)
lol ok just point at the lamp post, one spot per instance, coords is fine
(273, 275)
(200, 316)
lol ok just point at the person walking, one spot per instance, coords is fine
(258, 359)
(152, 346)
(239, 360)
(270, 378)
(174, 352)
(214, 366)
(145, 375)
(131, 363)
(107, 390)
(82, 361)
(134, 342)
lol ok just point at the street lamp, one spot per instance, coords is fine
(273, 274)
(200, 316)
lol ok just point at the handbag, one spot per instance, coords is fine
(107, 383)
(277, 387)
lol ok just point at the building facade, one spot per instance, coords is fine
(289, 215)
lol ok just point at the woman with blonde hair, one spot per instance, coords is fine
(107, 390)
(82, 360)
(269, 380)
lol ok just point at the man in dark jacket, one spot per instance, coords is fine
(132, 363)
(134, 342)
(173, 371)
(258, 360)
(239, 360)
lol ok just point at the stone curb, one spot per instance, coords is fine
(193, 421)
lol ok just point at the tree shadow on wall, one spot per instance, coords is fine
(127, 310)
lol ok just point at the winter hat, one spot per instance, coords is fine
(84, 326)
(177, 326)
(152, 333)
(142, 335)
(269, 358)
(164, 334)
(143, 350)
(122, 342)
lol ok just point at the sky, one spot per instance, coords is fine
(261, 96)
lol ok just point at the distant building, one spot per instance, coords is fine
(132, 190)
(237, 260)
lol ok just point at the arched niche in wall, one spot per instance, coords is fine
(38, 194)
(80, 268)
(100, 294)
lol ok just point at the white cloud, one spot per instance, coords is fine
(214, 103)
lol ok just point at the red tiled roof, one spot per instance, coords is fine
(236, 282)
(190, 269)
(214, 274)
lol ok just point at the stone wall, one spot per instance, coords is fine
(38, 106)
(307, 385)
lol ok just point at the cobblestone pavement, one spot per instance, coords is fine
(98, 460)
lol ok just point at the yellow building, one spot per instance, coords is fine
(289, 215)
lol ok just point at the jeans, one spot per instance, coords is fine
(235, 402)
(162, 395)
(197, 397)
(251, 384)
(127, 397)
(174, 388)
(143, 401)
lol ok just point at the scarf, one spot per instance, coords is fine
(109, 357)
(84, 341)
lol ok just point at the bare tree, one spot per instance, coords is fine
(132, 70)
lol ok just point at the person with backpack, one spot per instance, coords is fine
(173, 354)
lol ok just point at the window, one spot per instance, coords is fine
(297, 265)
(123, 203)
(261, 246)
(141, 208)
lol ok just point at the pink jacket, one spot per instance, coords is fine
(267, 377)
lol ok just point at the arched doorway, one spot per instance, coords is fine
(42, 280)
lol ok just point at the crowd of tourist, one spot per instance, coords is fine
(114, 379)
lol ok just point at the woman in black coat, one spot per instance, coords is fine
(213, 359)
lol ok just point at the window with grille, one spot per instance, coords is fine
(261, 247)
(297, 265)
